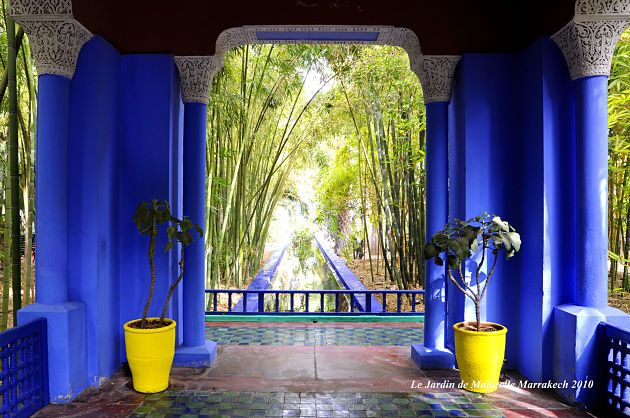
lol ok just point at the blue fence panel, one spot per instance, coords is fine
(616, 359)
(24, 369)
(258, 298)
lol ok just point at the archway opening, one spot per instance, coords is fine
(316, 139)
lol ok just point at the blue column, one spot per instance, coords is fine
(67, 356)
(433, 354)
(195, 208)
(51, 226)
(577, 349)
(196, 351)
(592, 190)
(437, 216)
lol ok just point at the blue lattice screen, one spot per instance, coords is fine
(24, 369)
(617, 370)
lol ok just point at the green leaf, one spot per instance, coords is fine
(431, 251)
(452, 261)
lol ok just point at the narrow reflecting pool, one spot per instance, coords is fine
(303, 267)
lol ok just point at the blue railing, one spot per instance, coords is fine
(24, 373)
(344, 301)
(616, 370)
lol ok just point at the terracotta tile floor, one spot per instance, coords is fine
(322, 381)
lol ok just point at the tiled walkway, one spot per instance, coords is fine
(315, 380)
(274, 404)
(391, 334)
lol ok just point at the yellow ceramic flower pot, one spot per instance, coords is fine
(150, 355)
(480, 356)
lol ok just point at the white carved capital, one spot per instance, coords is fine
(56, 37)
(195, 74)
(436, 76)
(588, 41)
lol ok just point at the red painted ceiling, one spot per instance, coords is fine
(190, 27)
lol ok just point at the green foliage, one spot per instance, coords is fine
(17, 163)
(260, 128)
(460, 240)
(619, 163)
(375, 116)
(148, 217)
(302, 243)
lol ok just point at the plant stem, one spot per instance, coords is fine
(174, 285)
(152, 240)
(478, 312)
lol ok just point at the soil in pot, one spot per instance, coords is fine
(484, 326)
(151, 323)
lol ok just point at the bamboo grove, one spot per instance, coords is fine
(619, 166)
(257, 133)
(381, 208)
(18, 92)
(363, 132)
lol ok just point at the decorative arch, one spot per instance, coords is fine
(435, 72)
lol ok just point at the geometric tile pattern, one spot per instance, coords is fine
(311, 336)
(187, 403)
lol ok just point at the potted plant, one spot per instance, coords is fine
(479, 346)
(150, 342)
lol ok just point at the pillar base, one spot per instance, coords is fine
(576, 349)
(199, 356)
(432, 358)
(67, 347)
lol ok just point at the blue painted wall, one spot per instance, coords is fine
(125, 146)
(93, 195)
(150, 117)
(511, 150)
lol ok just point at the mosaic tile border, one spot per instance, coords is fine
(314, 336)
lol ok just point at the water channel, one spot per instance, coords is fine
(303, 267)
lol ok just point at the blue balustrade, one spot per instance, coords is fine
(615, 364)
(24, 373)
(259, 297)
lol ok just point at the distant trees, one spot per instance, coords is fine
(259, 126)
(361, 129)
(378, 188)
(619, 166)
(18, 113)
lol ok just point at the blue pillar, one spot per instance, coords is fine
(66, 320)
(576, 345)
(196, 351)
(591, 102)
(432, 354)
(51, 224)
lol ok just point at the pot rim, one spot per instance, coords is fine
(167, 328)
(498, 332)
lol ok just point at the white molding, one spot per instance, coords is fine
(196, 88)
(387, 35)
(588, 41)
(436, 76)
(55, 36)
(195, 74)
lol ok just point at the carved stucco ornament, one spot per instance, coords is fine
(195, 74)
(588, 41)
(436, 76)
(387, 35)
(56, 37)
